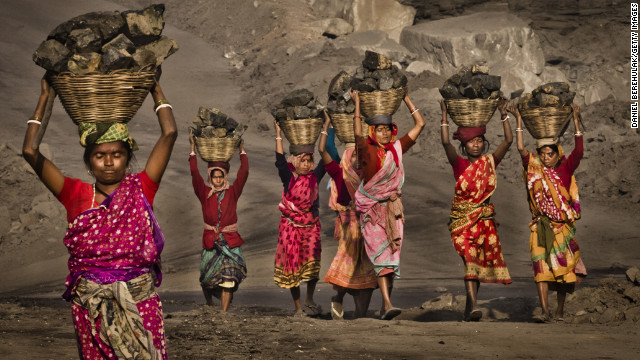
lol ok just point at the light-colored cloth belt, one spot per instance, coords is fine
(225, 229)
(121, 324)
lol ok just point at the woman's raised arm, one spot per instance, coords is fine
(45, 169)
(450, 150)
(161, 153)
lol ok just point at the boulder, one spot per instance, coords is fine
(386, 15)
(120, 42)
(107, 24)
(500, 40)
(114, 59)
(145, 25)
(81, 64)
(633, 294)
(300, 97)
(334, 27)
(633, 275)
(161, 48)
(83, 40)
(52, 55)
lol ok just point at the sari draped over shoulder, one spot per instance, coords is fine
(299, 247)
(472, 227)
(554, 208)
(381, 216)
(114, 266)
(351, 267)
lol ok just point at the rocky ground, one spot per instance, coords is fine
(243, 57)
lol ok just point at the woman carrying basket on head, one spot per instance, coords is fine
(555, 207)
(113, 238)
(472, 224)
(378, 199)
(299, 248)
(222, 265)
(351, 271)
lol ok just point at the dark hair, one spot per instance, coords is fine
(485, 146)
(553, 147)
(214, 170)
(89, 149)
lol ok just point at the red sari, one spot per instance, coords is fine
(299, 247)
(472, 227)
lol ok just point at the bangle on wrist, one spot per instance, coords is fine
(324, 132)
(278, 138)
(243, 152)
(193, 153)
(444, 124)
(504, 117)
(165, 105)
(33, 121)
(414, 111)
(35, 117)
(519, 129)
(578, 133)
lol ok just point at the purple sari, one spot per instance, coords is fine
(118, 241)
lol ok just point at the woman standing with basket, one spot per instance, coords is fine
(472, 224)
(113, 238)
(222, 265)
(351, 271)
(378, 199)
(299, 248)
(554, 203)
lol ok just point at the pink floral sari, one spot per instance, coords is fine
(372, 202)
(119, 241)
(299, 247)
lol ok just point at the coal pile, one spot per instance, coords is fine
(612, 301)
(101, 42)
(472, 83)
(377, 73)
(553, 94)
(299, 104)
(339, 100)
(213, 123)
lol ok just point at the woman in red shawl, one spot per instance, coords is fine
(555, 208)
(299, 248)
(113, 238)
(378, 199)
(472, 226)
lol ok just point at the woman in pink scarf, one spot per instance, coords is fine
(378, 199)
(299, 248)
(113, 238)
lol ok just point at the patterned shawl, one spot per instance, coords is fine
(117, 241)
(382, 225)
(296, 203)
(473, 188)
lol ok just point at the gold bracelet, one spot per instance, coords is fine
(162, 101)
(36, 118)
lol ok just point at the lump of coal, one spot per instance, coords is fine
(339, 85)
(298, 104)
(548, 95)
(129, 40)
(377, 73)
(211, 122)
(472, 83)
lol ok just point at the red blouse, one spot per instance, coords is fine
(228, 205)
(77, 196)
(368, 155)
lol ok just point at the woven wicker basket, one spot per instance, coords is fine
(381, 102)
(471, 112)
(114, 97)
(545, 122)
(343, 125)
(301, 131)
(217, 149)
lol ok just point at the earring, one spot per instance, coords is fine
(129, 169)
(90, 172)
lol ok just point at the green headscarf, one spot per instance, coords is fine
(100, 133)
